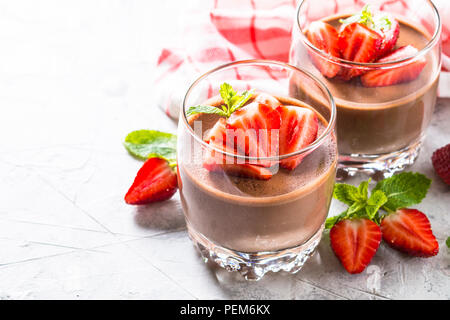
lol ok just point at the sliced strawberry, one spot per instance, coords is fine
(256, 129)
(405, 72)
(268, 100)
(390, 38)
(217, 162)
(298, 129)
(355, 241)
(359, 44)
(244, 170)
(324, 37)
(409, 230)
(441, 163)
(155, 181)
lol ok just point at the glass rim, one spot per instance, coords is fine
(430, 44)
(255, 62)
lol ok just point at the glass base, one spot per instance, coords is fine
(378, 166)
(253, 266)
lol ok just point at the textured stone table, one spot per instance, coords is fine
(75, 78)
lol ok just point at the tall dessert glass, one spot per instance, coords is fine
(247, 224)
(380, 127)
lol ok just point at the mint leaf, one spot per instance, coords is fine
(232, 100)
(374, 203)
(345, 193)
(330, 222)
(227, 93)
(448, 242)
(403, 190)
(363, 189)
(241, 100)
(207, 109)
(366, 17)
(144, 144)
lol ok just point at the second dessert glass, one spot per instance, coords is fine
(380, 129)
(249, 225)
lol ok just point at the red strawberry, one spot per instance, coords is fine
(239, 170)
(355, 241)
(390, 38)
(268, 100)
(359, 44)
(409, 230)
(441, 163)
(324, 37)
(217, 162)
(298, 129)
(155, 181)
(256, 127)
(405, 72)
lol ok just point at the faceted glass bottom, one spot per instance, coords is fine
(254, 265)
(379, 166)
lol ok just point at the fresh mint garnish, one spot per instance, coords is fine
(144, 144)
(399, 191)
(403, 190)
(448, 242)
(366, 17)
(232, 100)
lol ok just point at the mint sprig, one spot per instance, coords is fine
(233, 102)
(144, 144)
(399, 191)
(366, 17)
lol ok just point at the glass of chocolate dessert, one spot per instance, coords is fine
(256, 166)
(381, 62)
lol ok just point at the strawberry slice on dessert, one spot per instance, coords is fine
(298, 129)
(355, 242)
(255, 129)
(409, 230)
(358, 43)
(217, 162)
(324, 37)
(405, 72)
(390, 37)
(155, 181)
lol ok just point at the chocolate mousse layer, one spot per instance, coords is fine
(251, 215)
(380, 120)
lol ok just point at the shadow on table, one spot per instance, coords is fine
(166, 215)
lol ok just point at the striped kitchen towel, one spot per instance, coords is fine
(229, 30)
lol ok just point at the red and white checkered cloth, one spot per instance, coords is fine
(232, 30)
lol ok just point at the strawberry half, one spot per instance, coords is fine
(256, 130)
(324, 37)
(155, 181)
(359, 44)
(409, 230)
(217, 162)
(390, 38)
(407, 71)
(441, 163)
(355, 241)
(298, 129)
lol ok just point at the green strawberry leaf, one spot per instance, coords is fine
(144, 144)
(403, 190)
